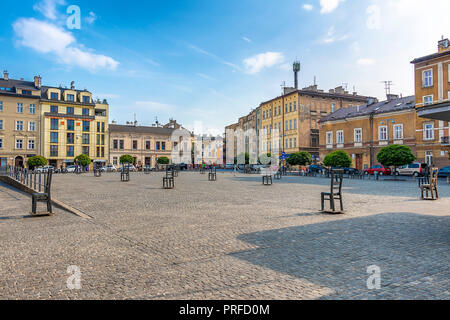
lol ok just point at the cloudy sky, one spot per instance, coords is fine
(211, 62)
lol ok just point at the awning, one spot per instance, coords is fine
(440, 111)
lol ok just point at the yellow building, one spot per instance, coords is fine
(73, 124)
(363, 130)
(296, 116)
(432, 87)
(19, 120)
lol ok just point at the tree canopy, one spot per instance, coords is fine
(163, 160)
(126, 158)
(37, 161)
(299, 159)
(395, 155)
(338, 159)
(83, 160)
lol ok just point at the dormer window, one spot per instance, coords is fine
(86, 99)
(26, 92)
(54, 96)
(70, 97)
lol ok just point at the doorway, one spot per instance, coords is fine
(358, 162)
(19, 162)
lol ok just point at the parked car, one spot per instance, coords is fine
(413, 169)
(44, 169)
(444, 172)
(132, 168)
(229, 166)
(182, 166)
(317, 168)
(71, 169)
(382, 170)
(351, 171)
(108, 168)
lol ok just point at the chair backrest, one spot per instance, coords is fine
(169, 173)
(337, 177)
(434, 172)
(48, 183)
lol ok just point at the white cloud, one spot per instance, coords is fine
(261, 61)
(307, 7)
(246, 39)
(48, 38)
(48, 8)
(328, 6)
(286, 67)
(365, 62)
(373, 17)
(91, 18)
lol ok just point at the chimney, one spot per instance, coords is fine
(391, 96)
(37, 81)
(443, 45)
(72, 85)
(296, 68)
(5, 75)
(339, 90)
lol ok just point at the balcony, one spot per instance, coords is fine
(445, 141)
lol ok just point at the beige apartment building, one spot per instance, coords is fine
(144, 143)
(19, 120)
(362, 131)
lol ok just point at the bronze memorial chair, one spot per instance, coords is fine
(337, 177)
(431, 187)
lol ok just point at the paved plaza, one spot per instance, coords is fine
(230, 239)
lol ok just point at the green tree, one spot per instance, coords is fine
(126, 158)
(83, 160)
(299, 159)
(338, 159)
(395, 156)
(163, 160)
(37, 161)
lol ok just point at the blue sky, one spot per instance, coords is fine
(210, 62)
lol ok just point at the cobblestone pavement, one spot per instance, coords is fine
(230, 239)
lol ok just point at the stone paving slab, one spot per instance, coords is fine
(230, 239)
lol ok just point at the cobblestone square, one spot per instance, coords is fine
(229, 239)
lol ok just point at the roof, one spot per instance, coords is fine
(139, 129)
(375, 108)
(430, 57)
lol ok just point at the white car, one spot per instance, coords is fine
(71, 169)
(109, 168)
(44, 169)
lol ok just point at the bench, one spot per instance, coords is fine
(168, 180)
(337, 177)
(43, 197)
(429, 185)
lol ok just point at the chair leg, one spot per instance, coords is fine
(332, 204)
(33, 205)
(342, 203)
(49, 206)
(322, 197)
(437, 192)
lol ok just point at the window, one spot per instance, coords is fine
(1, 106)
(358, 135)
(295, 105)
(19, 125)
(31, 144)
(290, 124)
(398, 131)
(287, 125)
(295, 142)
(26, 92)
(70, 125)
(86, 126)
(86, 138)
(1, 143)
(70, 110)
(103, 127)
(32, 108)
(70, 152)
(135, 143)
(54, 124)
(427, 78)
(333, 108)
(54, 109)
(429, 158)
(98, 127)
(54, 96)
(428, 131)
(382, 133)
(290, 107)
(147, 145)
(19, 144)
(163, 145)
(20, 108)
(121, 144)
(279, 110)
(340, 137)
(31, 126)
(53, 151)
(70, 138)
(329, 138)
(427, 100)
(53, 137)
(70, 97)
(115, 144)
(1, 124)
(86, 99)
(286, 108)
(290, 143)
(102, 139)
(85, 150)
(295, 124)
(115, 161)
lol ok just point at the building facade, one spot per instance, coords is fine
(432, 90)
(296, 116)
(363, 130)
(144, 144)
(73, 124)
(19, 120)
